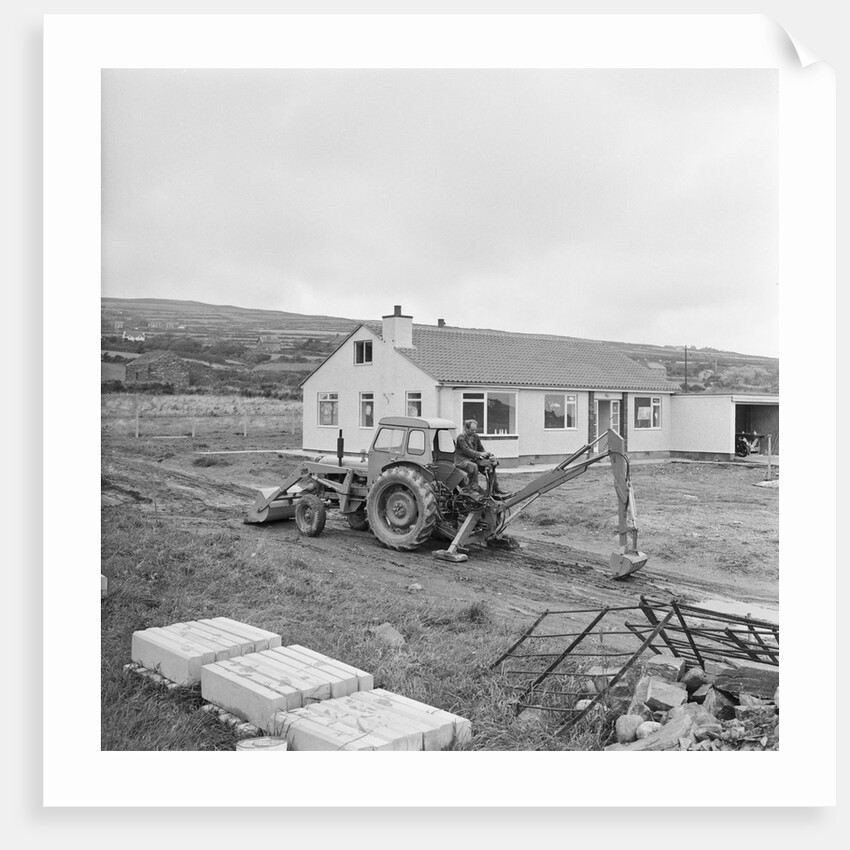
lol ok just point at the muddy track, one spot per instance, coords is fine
(541, 574)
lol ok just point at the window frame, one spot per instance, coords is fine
(389, 448)
(574, 404)
(363, 343)
(366, 397)
(407, 400)
(328, 400)
(655, 403)
(416, 451)
(483, 432)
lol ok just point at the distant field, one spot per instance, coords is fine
(280, 366)
(112, 371)
(207, 417)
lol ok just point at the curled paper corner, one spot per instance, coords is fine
(792, 48)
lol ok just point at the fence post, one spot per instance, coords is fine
(769, 458)
(194, 426)
(245, 424)
(138, 408)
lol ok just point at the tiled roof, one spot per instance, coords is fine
(151, 357)
(466, 355)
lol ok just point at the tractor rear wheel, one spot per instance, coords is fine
(310, 515)
(401, 508)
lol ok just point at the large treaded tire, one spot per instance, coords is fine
(401, 508)
(310, 515)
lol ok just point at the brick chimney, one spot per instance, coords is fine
(441, 323)
(397, 329)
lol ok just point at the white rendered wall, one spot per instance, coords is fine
(389, 376)
(703, 423)
(650, 439)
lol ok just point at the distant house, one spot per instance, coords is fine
(133, 336)
(267, 344)
(535, 397)
(159, 367)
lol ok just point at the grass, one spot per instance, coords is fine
(161, 574)
(211, 460)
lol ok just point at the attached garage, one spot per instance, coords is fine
(705, 424)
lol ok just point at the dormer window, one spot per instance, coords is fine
(362, 352)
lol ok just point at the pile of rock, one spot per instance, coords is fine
(726, 706)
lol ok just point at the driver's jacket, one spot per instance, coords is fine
(468, 447)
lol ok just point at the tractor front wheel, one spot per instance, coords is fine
(401, 508)
(310, 515)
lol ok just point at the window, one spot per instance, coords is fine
(328, 410)
(416, 443)
(362, 352)
(559, 411)
(445, 442)
(389, 438)
(494, 412)
(367, 410)
(648, 412)
(413, 404)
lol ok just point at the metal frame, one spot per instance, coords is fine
(698, 635)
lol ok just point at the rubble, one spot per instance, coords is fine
(627, 726)
(387, 634)
(662, 695)
(711, 683)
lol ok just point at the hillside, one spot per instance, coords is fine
(247, 348)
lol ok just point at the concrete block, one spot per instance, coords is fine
(383, 720)
(460, 726)
(245, 644)
(265, 664)
(308, 731)
(261, 638)
(179, 650)
(402, 735)
(365, 681)
(220, 647)
(247, 692)
(314, 684)
(175, 657)
(341, 682)
(437, 732)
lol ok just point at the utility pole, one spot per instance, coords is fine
(686, 368)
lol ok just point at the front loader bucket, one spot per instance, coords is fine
(272, 504)
(624, 565)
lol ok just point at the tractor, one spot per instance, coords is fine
(407, 489)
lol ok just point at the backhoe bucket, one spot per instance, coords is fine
(272, 504)
(624, 564)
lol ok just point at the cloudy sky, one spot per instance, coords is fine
(637, 206)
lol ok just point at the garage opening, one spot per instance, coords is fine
(755, 422)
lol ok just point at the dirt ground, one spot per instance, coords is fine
(710, 533)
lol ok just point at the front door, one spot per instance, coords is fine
(607, 416)
(615, 416)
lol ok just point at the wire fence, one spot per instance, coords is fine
(197, 426)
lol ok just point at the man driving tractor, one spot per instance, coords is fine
(471, 457)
